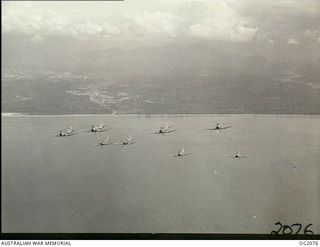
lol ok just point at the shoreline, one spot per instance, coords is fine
(13, 114)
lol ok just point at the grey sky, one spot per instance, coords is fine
(289, 22)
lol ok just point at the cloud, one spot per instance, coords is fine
(33, 22)
(221, 22)
(282, 19)
(36, 38)
(217, 21)
(237, 32)
(292, 41)
(24, 19)
(110, 30)
(87, 29)
(226, 20)
(157, 23)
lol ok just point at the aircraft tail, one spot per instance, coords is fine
(70, 129)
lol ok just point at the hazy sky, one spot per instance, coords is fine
(289, 22)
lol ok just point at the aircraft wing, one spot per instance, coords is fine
(227, 127)
(86, 131)
(186, 154)
(182, 155)
(170, 131)
(172, 155)
(157, 132)
(102, 130)
(66, 135)
(106, 144)
(71, 134)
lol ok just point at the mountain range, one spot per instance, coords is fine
(167, 79)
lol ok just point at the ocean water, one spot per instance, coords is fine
(68, 185)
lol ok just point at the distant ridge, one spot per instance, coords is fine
(177, 79)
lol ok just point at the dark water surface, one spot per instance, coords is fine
(67, 185)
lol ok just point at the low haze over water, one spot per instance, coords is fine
(52, 184)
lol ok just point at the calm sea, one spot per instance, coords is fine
(52, 184)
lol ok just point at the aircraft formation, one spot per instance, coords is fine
(129, 141)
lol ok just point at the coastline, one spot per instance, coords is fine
(15, 114)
